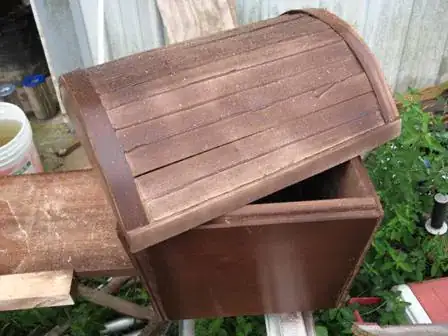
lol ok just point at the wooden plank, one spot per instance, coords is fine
(187, 19)
(299, 136)
(118, 304)
(58, 221)
(424, 46)
(228, 130)
(183, 67)
(36, 290)
(108, 78)
(385, 32)
(226, 106)
(222, 78)
(225, 157)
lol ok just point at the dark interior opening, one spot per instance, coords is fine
(339, 182)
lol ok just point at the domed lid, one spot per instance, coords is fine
(189, 132)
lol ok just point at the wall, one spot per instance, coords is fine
(409, 37)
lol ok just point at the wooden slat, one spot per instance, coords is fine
(306, 136)
(218, 59)
(116, 303)
(227, 106)
(157, 100)
(367, 60)
(36, 290)
(235, 104)
(184, 20)
(58, 221)
(108, 79)
(150, 157)
(174, 177)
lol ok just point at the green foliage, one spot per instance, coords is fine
(406, 172)
(238, 326)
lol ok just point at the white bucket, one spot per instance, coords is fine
(18, 155)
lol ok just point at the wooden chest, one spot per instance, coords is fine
(193, 131)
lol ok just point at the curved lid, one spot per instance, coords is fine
(189, 132)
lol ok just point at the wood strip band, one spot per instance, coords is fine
(362, 174)
(103, 149)
(303, 212)
(365, 56)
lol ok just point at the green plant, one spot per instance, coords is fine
(406, 172)
(231, 326)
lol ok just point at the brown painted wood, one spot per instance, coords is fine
(295, 255)
(365, 57)
(204, 127)
(58, 221)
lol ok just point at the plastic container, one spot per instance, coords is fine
(18, 155)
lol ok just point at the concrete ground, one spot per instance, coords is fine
(52, 136)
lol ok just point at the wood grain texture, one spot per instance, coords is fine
(201, 86)
(110, 77)
(227, 119)
(184, 20)
(367, 60)
(300, 109)
(58, 221)
(36, 290)
(179, 68)
(270, 258)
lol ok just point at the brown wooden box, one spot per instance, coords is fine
(193, 131)
(295, 250)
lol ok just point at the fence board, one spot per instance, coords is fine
(425, 44)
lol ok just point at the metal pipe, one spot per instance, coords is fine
(436, 224)
(186, 328)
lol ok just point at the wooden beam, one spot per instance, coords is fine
(187, 19)
(118, 304)
(35, 290)
(59, 221)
